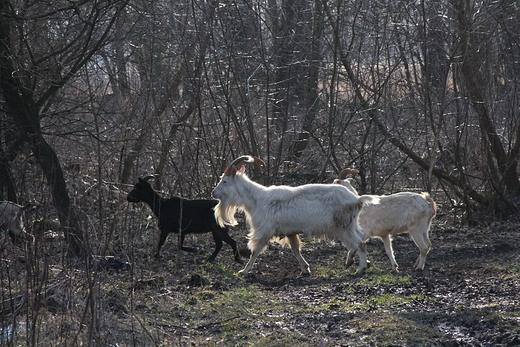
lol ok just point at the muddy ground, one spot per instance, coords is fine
(468, 294)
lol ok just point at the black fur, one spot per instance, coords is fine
(197, 217)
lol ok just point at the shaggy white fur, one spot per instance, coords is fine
(321, 210)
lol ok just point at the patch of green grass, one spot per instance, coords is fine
(276, 340)
(239, 294)
(392, 300)
(381, 277)
(334, 269)
(237, 313)
(513, 273)
(221, 269)
(387, 301)
(237, 328)
(387, 328)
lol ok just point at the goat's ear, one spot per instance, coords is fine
(147, 178)
(230, 170)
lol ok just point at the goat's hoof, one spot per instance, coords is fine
(348, 263)
(245, 252)
(188, 249)
(360, 273)
(249, 276)
(305, 274)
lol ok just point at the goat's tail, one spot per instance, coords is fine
(281, 240)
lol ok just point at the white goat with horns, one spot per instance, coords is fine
(397, 213)
(282, 213)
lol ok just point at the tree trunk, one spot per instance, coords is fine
(21, 107)
(371, 111)
(475, 84)
(311, 101)
(180, 72)
(51, 168)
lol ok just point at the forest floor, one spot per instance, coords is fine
(468, 295)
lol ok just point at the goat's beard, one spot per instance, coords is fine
(225, 213)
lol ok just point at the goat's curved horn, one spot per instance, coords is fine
(146, 178)
(259, 161)
(237, 163)
(343, 174)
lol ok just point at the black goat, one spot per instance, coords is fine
(197, 217)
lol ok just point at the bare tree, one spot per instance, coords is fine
(478, 82)
(434, 149)
(399, 89)
(311, 103)
(35, 63)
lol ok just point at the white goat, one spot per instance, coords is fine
(278, 212)
(11, 219)
(396, 214)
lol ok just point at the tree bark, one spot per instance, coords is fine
(370, 110)
(311, 101)
(475, 84)
(153, 119)
(24, 109)
(24, 113)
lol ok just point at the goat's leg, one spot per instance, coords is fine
(256, 247)
(422, 241)
(294, 242)
(351, 242)
(350, 258)
(218, 246)
(353, 239)
(162, 238)
(387, 240)
(186, 249)
(230, 241)
(363, 261)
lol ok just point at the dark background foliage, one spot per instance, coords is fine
(417, 95)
